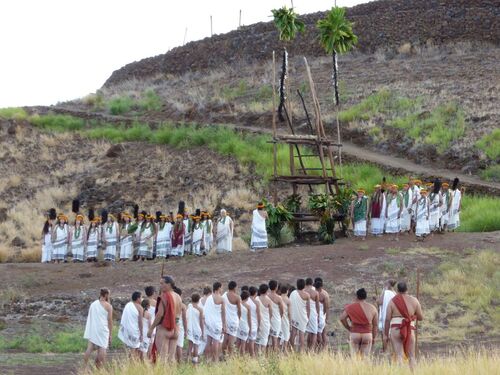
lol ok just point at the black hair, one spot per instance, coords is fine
(195, 298)
(145, 304)
(318, 283)
(361, 293)
(104, 292)
(244, 295)
(207, 290)
(244, 287)
(149, 290)
(263, 288)
(178, 290)
(46, 226)
(252, 290)
(402, 287)
(309, 281)
(136, 296)
(217, 285)
(301, 284)
(284, 289)
(232, 285)
(273, 284)
(292, 289)
(169, 280)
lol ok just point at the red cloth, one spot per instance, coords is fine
(178, 234)
(405, 327)
(168, 319)
(377, 205)
(359, 321)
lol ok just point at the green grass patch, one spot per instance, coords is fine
(120, 105)
(490, 144)
(232, 92)
(13, 113)
(479, 214)
(57, 122)
(492, 173)
(150, 101)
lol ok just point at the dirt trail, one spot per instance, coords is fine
(392, 163)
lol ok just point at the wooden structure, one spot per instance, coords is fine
(316, 145)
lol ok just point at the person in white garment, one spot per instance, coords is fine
(98, 328)
(93, 236)
(324, 313)
(254, 305)
(265, 305)
(258, 239)
(422, 216)
(207, 292)
(60, 239)
(313, 323)
(224, 235)
(164, 237)
(285, 319)
(377, 211)
(276, 314)
(245, 323)
(435, 201)
(445, 206)
(147, 233)
(151, 296)
(197, 234)
(455, 206)
(47, 236)
(359, 214)
(195, 327)
(126, 239)
(147, 319)
(131, 329)
(215, 322)
(111, 236)
(406, 212)
(232, 304)
(182, 328)
(188, 231)
(382, 302)
(135, 230)
(300, 306)
(77, 239)
(415, 193)
(208, 235)
(393, 212)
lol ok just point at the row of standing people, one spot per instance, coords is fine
(435, 208)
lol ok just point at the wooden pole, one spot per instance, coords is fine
(275, 160)
(239, 23)
(185, 35)
(416, 323)
(211, 28)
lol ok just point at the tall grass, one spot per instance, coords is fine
(120, 105)
(150, 101)
(13, 113)
(57, 122)
(479, 214)
(492, 173)
(490, 144)
(471, 362)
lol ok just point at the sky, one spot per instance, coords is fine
(58, 50)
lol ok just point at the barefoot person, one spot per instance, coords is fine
(99, 327)
(224, 235)
(406, 213)
(182, 324)
(324, 312)
(383, 302)
(393, 211)
(359, 214)
(377, 211)
(254, 305)
(402, 313)
(130, 332)
(168, 309)
(245, 323)
(422, 228)
(215, 322)
(195, 328)
(285, 319)
(276, 315)
(265, 306)
(146, 324)
(312, 325)
(232, 304)
(258, 240)
(300, 302)
(360, 318)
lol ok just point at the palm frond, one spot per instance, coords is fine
(335, 32)
(288, 23)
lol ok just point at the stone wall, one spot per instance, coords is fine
(378, 24)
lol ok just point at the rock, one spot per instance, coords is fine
(115, 151)
(18, 242)
(3, 215)
(12, 130)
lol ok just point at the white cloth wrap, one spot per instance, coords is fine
(253, 313)
(111, 235)
(392, 221)
(198, 240)
(224, 236)
(388, 295)
(96, 328)
(259, 232)
(422, 227)
(298, 311)
(213, 319)
(312, 324)
(243, 329)
(129, 332)
(232, 320)
(60, 243)
(275, 320)
(434, 213)
(47, 248)
(285, 326)
(265, 325)
(193, 325)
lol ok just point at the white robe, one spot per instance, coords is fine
(422, 217)
(96, 328)
(243, 329)
(129, 332)
(445, 213)
(298, 311)
(47, 248)
(388, 295)
(434, 200)
(60, 243)
(92, 243)
(163, 241)
(188, 240)
(77, 247)
(285, 326)
(126, 244)
(392, 221)
(312, 324)
(197, 237)
(207, 235)
(406, 214)
(259, 232)
(322, 318)
(232, 320)
(377, 223)
(213, 319)
(265, 325)
(224, 235)
(253, 313)
(111, 237)
(456, 197)
(193, 325)
(146, 341)
(146, 241)
(275, 320)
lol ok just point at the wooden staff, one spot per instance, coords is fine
(376, 298)
(416, 323)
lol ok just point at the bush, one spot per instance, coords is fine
(490, 144)
(120, 105)
(95, 101)
(56, 122)
(479, 214)
(13, 113)
(492, 173)
(150, 101)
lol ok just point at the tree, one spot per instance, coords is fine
(288, 25)
(336, 37)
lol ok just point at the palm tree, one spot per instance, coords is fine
(336, 37)
(288, 25)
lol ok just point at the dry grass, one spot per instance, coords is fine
(240, 245)
(240, 198)
(471, 362)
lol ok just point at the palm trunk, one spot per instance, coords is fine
(337, 107)
(284, 67)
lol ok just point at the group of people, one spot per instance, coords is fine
(142, 235)
(251, 320)
(416, 208)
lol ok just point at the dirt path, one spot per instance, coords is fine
(389, 162)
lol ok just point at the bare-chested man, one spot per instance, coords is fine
(232, 304)
(99, 327)
(324, 312)
(285, 319)
(363, 325)
(402, 313)
(256, 319)
(215, 322)
(265, 306)
(167, 316)
(312, 325)
(300, 306)
(276, 314)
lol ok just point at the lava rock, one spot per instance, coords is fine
(3, 214)
(115, 151)
(18, 242)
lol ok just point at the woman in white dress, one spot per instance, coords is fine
(126, 241)
(93, 235)
(195, 327)
(393, 212)
(445, 206)
(197, 234)
(435, 201)
(422, 216)
(111, 236)
(456, 204)
(406, 213)
(377, 211)
(78, 236)
(163, 237)
(146, 236)
(359, 214)
(224, 238)
(60, 238)
(208, 235)
(47, 236)
(259, 232)
(147, 319)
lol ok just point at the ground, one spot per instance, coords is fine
(48, 298)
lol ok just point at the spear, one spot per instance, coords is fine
(416, 323)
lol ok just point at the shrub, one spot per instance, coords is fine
(120, 105)
(492, 173)
(13, 113)
(95, 101)
(57, 122)
(490, 144)
(150, 101)
(479, 214)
